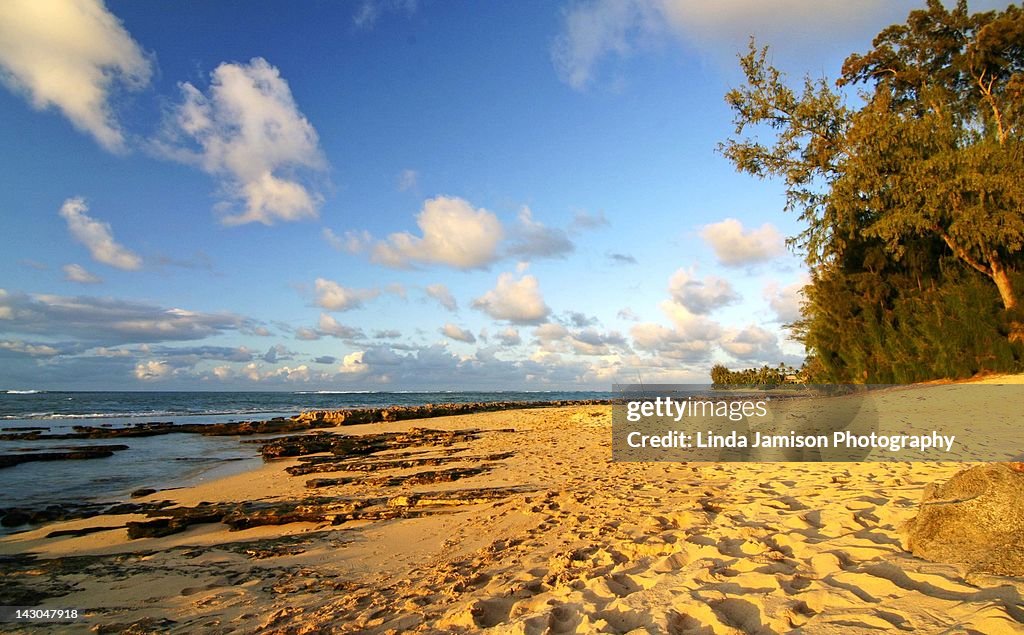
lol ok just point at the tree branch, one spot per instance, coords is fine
(961, 252)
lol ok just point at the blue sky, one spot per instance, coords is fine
(392, 194)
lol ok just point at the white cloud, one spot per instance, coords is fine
(332, 296)
(109, 320)
(453, 234)
(152, 370)
(26, 348)
(736, 247)
(509, 337)
(351, 242)
(670, 343)
(444, 297)
(97, 236)
(596, 30)
(459, 334)
(70, 55)
(518, 301)
(249, 132)
(786, 301)
(288, 374)
(327, 325)
(534, 239)
(753, 343)
(352, 364)
(701, 296)
(78, 273)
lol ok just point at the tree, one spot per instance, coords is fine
(930, 163)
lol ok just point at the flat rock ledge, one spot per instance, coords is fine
(975, 519)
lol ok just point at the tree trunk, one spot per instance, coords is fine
(1002, 279)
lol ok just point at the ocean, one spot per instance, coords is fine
(173, 460)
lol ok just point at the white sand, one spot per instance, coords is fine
(594, 546)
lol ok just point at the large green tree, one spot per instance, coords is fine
(927, 166)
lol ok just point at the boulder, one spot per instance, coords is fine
(975, 519)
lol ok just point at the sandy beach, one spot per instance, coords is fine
(526, 526)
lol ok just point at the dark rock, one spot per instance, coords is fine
(144, 491)
(15, 517)
(975, 519)
(85, 531)
(93, 452)
(362, 444)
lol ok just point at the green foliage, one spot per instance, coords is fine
(764, 376)
(913, 200)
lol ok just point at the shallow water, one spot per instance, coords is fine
(170, 460)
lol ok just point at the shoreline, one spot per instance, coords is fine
(522, 523)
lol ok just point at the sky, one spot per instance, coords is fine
(394, 194)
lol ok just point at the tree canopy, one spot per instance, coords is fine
(907, 195)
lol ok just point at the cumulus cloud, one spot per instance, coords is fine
(453, 233)
(692, 335)
(28, 348)
(78, 273)
(533, 239)
(669, 343)
(97, 236)
(701, 296)
(458, 334)
(71, 55)
(352, 364)
(350, 242)
(753, 343)
(735, 246)
(108, 321)
(276, 353)
(785, 301)
(509, 337)
(328, 326)
(443, 296)
(555, 338)
(594, 31)
(152, 370)
(577, 319)
(248, 131)
(332, 296)
(517, 301)
(627, 314)
(387, 334)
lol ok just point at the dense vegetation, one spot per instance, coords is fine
(764, 376)
(913, 200)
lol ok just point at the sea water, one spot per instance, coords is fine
(171, 460)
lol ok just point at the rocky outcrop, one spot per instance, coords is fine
(975, 519)
(400, 413)
(17, 516)
(61, 454)
(362, 444)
